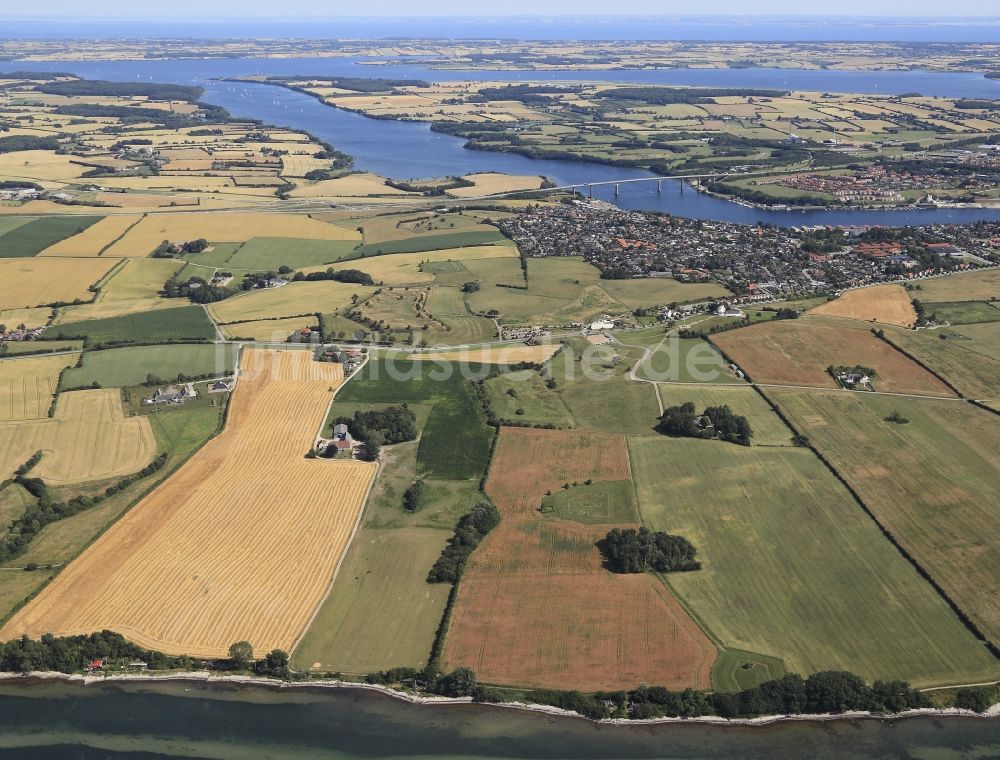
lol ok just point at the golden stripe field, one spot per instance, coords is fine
(240, 543)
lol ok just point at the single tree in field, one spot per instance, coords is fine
(241, 654)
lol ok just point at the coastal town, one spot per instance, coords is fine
(756, 262)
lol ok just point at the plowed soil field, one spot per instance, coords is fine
(536, 608)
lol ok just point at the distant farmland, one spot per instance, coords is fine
(798, 351)
(535, 607)
(184, 571)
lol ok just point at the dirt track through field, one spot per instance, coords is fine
(536, 608)
(240, 543)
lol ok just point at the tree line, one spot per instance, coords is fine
(48, 508)
(827, 692)
(471, 529)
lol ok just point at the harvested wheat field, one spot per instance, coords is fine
(293, 300)
(133, 287)
(35, 317)
(353, 185)
(94, 239)
(222, 227)
(889, 304)
(491, 182)
(240, 543)
(798, 351)
(38, 281)
(27, 385)
(496, 355)
(88, 438)
(406, 268)
(536, 608)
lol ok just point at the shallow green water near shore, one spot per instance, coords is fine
(142, 721)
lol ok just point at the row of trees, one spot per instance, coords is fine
(828, 692)
(715, 422)
(470, 531)
(47, 508)
(355, 276)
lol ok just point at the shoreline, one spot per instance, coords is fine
(207, 678)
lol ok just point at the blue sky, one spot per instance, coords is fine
(174, 9)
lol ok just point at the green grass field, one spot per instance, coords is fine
(444, 301)
(957, 356)
(503, 269)
(684, 360)
(456, 440)
(794, 568)
(600, 395)
(13, 501)
(20, 348)
(263, 254)
(342, 328)
(182, 323)
(610, 502)
(560, 290)
(983, 338)
(217, 257)
(736, 670)
(525, 390)
(932, 482)
(966, 286)
(463, 330)
(768, 429)
(432, 242)
(123, 367)
(381, 612)
(37, 235)
(660, 291)
(443, 267)
(962, 312)
(8, 223)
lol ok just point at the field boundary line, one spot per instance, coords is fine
(357, 522)
(965, 619)
(107, 247)
(960, 686)
(883, 337)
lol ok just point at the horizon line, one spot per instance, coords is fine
(507, 17)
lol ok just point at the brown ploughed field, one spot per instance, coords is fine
(536, 608)
(798, 351)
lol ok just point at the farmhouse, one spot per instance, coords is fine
(172, 394)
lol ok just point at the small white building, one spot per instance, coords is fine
(602, 324)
